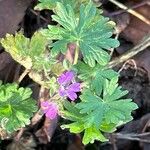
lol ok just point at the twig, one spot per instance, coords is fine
(41, 17)
(113, 142)
(132, 7)
(19, 134)
(116, 37)
(129, 54)
(131, 11)
(130, 137)
(146, 125)
(128, 62)
(37, 117)
(26, 71)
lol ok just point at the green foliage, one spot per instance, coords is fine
(29, 53)
(99, 113)
(91, 34)
(101, 107)
(95, 77)
(46, 4)
(16, 107)
(91, 134)
(51, 4)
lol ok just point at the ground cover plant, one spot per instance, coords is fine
(70, 60)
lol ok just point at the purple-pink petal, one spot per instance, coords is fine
(72, 95)
(45, 104)
(67, 87)
(62, 92)
(74, 87)
(50, 109)
(66, 77)
(51, 113)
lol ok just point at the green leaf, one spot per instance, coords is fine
(17, 107)
(45, 4)
(53, 32)
(94, 76)
(51, 4)
(17, 47)
(72, 113)
(85, 72)
(92, 134)
(96, 113)
(75, 127)
(119, 110)
(91, 33)
(29, 53)
(109, 128)
(93, 106)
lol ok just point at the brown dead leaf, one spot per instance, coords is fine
(7, 67)
(11, 14)
(122, 21)
(137, 29)
(143, 60)
(46, 132)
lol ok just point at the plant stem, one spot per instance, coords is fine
(76, 55)
(26, 71)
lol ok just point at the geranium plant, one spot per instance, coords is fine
(83, 90)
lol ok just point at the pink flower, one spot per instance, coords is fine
(50, 109)
(68, 88)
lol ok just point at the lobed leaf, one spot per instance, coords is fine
(17, 107)
(96, 113)
(92, 34)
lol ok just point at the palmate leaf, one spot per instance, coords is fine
(29, 53)
(110, 107)
(119, 109)
(45, 4)
(17, 46)
(16, 107)
(91, 34)
(90, 133)
(100, 113)
(93, 106)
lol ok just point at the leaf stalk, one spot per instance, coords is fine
(76, 55)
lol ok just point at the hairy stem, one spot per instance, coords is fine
(76, 55)
(26, 71)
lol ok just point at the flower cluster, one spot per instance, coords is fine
(68, 86)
